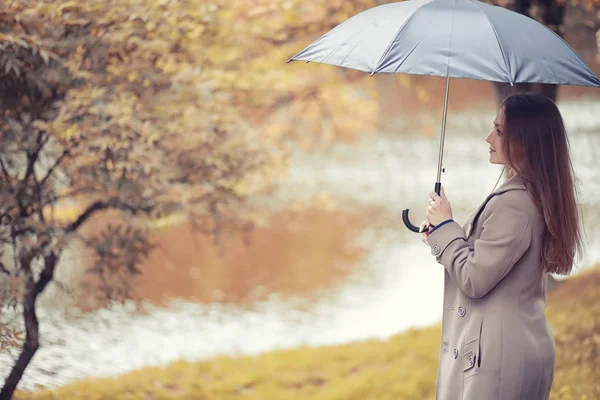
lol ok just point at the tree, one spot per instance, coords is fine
(110, 105)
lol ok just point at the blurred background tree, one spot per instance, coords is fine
(111, 105)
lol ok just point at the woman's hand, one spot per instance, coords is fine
(439, 209)
(424, 235)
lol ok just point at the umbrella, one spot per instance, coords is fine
(451, 38)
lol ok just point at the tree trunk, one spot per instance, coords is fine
(549, 13)
(31, 342)
(32, 290)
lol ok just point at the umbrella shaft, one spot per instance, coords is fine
(443, 133)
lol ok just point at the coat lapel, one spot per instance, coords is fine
(513, 183)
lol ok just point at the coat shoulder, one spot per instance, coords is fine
(519, 199)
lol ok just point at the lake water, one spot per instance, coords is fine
(398, 285)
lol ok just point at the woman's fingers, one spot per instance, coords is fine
(425, 234)
(434, 196)
(429, 212)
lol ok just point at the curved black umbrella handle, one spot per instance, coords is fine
(406, 220)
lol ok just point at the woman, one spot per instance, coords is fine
(496, 342)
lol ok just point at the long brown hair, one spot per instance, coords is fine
(537, 148)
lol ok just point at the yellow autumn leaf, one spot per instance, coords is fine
(70, 132)
(132, 76)
(195, 33)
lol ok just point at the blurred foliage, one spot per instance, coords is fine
(292, 99)
(112, 105)
(403, 367)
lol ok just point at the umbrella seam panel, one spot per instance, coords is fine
(577, 56)
(356, 44)
(397, 69)
(332, 53)
(535, 50)
(506, 63)
(398, 32)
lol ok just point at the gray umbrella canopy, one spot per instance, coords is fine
(454, 38)
(451, 38)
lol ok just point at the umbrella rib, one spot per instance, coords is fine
(407, 55)
(506, 64)
(332, 53)
(546, 61)
(450, 40)
(358, 42)
(573, 51)
(389, 47)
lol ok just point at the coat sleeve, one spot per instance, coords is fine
(476, 269)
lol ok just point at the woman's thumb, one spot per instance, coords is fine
(443, 194)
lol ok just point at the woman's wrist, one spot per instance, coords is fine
(441, 224)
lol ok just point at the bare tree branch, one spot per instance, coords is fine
(3, 269)
(40, 213)
(32, 157)
(5, 170)
(114, 203)
(56, 164)
(88, 51)
(70, 195)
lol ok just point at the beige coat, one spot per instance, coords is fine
(496, 342)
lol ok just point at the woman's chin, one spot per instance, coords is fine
(494, 159)
(496, 162)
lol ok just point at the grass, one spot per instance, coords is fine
(403, 367)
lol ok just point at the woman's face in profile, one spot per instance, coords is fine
(495, 139)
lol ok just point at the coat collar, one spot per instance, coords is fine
(512, 183)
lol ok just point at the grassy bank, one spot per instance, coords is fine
(403, 367)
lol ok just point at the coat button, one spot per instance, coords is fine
(462, 311)
(455, 353)
(435, 249)
(471, 360)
